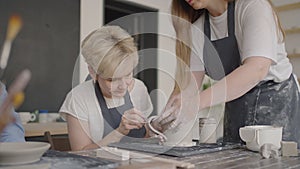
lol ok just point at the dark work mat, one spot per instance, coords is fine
(174, 151)
(64, 160)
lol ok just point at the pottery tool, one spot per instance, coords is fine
(15, 92)
(13, 28)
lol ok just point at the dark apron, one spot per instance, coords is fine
(269, 103)
(112, 117)
(223, 57)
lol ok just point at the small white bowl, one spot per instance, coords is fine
(22, 153)
(25, 117)
(258, 135)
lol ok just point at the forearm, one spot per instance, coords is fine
(236, 84)
(114, 136)
(80, 135)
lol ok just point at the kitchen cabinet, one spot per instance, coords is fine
(38, 129)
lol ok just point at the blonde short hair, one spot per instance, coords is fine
(106, 48)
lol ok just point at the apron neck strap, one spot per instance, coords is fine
(101, 100)
(230, 21)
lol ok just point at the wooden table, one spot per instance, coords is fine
(233, 159)
(228, 159)
(239, 158)
(38, 129)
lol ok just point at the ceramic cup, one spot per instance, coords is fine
(34, 116)
(207, 130)
(52, 116)
(25, 117)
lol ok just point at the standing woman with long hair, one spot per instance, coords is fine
(255, 79)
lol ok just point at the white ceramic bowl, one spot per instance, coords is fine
(258, 135)
(22, 153)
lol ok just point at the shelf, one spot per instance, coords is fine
(291, 31)
(288, 7)
(38, 129)
(294, 55)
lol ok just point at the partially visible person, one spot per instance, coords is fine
(241, 44)
(11, 129)
(113, 104)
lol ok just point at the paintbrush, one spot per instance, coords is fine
(13, 28)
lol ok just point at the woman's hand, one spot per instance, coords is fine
(168, 118)
(132, 119)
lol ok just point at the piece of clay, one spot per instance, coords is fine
(289, 148)
(269, 150)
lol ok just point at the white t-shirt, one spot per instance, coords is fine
(256, 34)
(81, 102)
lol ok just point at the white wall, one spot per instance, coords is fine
(290, 19)
(92, 17)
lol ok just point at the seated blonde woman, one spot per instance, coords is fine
(113, 104)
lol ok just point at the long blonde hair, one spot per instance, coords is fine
(182, 17)
(182, 13)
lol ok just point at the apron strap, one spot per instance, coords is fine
(230, 21)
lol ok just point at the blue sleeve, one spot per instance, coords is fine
(14, 132)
